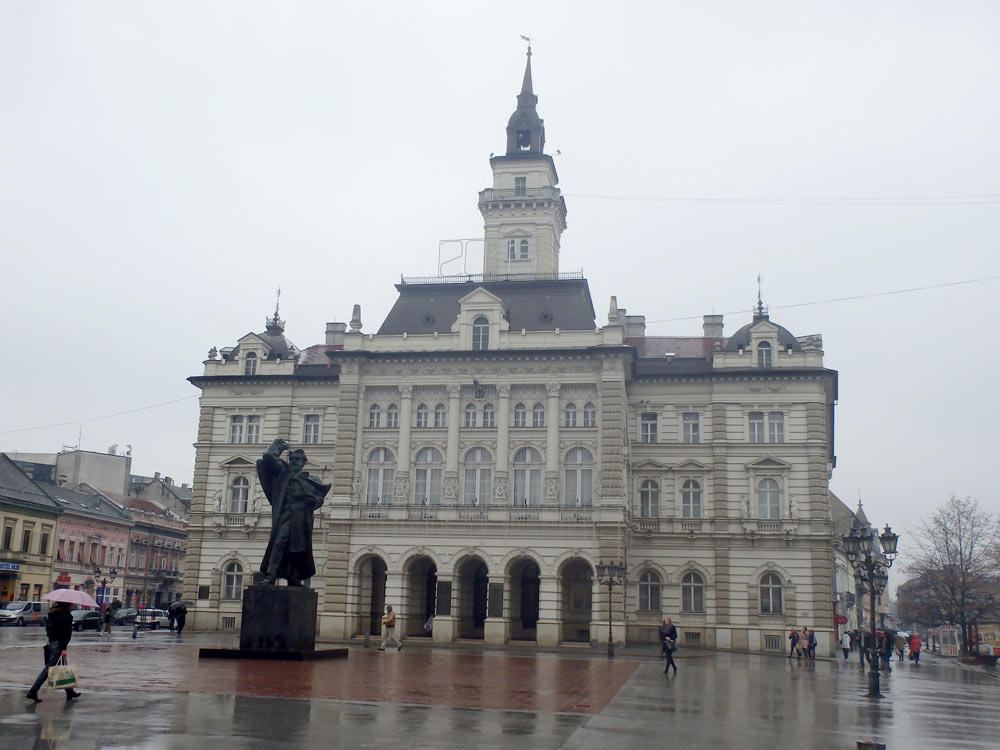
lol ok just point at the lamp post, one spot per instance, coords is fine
(873, 574)
(610, 574)
(103, 578)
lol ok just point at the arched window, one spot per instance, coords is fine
(692, 593)
(527, 477)
(239, 493)
(579, 478)
(422, 416)
(381, 469)
(649, 499)
(480, 334)
(524, 249)
(375, 416)
(470, 415)
(763, 354)
(520, 416)
(768, 505)
(392, 417)
(478, 477)
(538, 415)
(770, 595)
(232, 581)
(250, 364)
(570, 415)
(427, 487)
(649, 592)
(691, 499)
(589, 415)
(440, 416)
(489, 416)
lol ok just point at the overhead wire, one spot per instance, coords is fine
(104, 416)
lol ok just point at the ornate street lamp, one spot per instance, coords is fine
(611, 574)
(103, 578)
(871, 573)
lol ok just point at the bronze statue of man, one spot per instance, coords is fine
(294, 496)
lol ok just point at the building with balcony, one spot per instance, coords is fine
(491, 442)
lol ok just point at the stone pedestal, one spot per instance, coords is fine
(495, 631)
(444, 629)
(547, 633)
(279, 622)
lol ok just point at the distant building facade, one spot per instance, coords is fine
(491, 443)
(27, 535)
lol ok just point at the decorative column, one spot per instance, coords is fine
(401, 490)
(549, 620)
(501, 492)
(552, 447)
(450, 485)
(445, 621)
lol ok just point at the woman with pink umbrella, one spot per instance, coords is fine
(59, 630)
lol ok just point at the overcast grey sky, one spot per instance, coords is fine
(164, 167)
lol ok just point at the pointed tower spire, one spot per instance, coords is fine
(525, 129)
(526, 87)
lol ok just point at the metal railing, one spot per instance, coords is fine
(507, 194)
(485, 278)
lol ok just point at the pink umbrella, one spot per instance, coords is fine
(71, 596)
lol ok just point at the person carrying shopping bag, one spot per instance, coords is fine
(59, 631)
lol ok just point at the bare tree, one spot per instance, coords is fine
(956, 566)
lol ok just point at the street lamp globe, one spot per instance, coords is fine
(866, 541)
(889, 541)
(851, 542)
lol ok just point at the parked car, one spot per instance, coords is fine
(124, 616)
(23, 613)
(152, 618)
(86, 619)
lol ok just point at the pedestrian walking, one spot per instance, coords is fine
(845, 643)
(865, 644)
(900, 644)
(171, 616)
(59, 631)
(793, 641)
(389, 629)
(915, 648)
(885, 651)
(180, 616)
(802, 647)
(811, 645)
(106, 618)
(668, 643)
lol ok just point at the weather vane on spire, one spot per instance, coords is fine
(528, 40)
(277, 302)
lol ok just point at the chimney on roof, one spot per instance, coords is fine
(635, 326)
(168, 481)
(156, 475)
(712, 326)
(184, 485)
(335, 334)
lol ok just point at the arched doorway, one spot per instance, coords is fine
(524, 589)
(371, 595)
(473, 584)
(576, 585)
(421, 595)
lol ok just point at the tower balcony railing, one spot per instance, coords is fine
(486, 278)
(513, 194)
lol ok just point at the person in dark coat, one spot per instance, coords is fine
(668, 643)
(180, 615)
(294, 496)
(59, 631)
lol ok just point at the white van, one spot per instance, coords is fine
(23, 613)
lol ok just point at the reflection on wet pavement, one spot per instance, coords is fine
(156, 694)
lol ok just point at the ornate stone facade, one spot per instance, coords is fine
(491, 442)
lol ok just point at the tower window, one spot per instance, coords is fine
(480, 334)
(763, 354)
(250, 364)
(520, 186)
(524, 140)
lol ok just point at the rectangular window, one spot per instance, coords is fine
(477, 486)
(131, 558)
(253, 429)
(236, 429)
(43, 541)
(26, 540)
(756, 427)
(488, 416)
(310, 429)
(692, 430)
(520, 186)
(775, 427)
(8, 536)
(647, 427)
(511, 249)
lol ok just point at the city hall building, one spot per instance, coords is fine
(492, 441)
